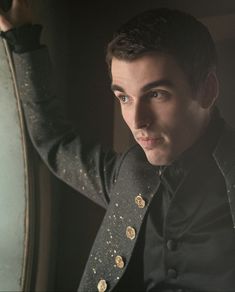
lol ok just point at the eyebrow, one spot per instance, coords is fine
(157, 83)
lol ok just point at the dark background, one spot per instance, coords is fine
(77, 33)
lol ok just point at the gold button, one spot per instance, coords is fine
(130, 232)
(102, 286)
(119, 262)
(140, 201)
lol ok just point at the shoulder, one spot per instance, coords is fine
(224, 153)
(227, 138)
(134, 164)
(133, 156)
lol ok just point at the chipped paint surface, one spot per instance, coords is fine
(12, 184)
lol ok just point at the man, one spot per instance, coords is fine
(170, 198)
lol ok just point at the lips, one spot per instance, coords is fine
(149, 142)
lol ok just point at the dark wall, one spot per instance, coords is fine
(77, 33)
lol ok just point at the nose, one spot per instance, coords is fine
(141, 115)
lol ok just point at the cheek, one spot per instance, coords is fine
(177, 112)
(168, 115)
(126, 117)
(174, 120)
(182, 127)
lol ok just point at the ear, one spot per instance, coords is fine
(209, 90)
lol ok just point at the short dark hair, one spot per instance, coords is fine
(167, 31)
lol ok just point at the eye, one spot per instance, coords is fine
(159, 94)
(123, 98)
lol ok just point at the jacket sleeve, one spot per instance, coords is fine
(86, 168)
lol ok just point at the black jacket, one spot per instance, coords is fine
(123, 184)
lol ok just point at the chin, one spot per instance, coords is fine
(158, 159)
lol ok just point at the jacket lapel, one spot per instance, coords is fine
(136, 185)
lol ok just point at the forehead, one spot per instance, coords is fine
(146, 69)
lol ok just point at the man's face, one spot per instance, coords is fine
(158, 105)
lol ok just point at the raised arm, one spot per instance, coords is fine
(85, 167)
